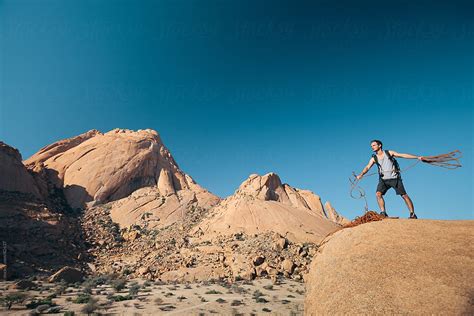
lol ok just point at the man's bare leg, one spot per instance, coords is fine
(380, 201)
(409, 203)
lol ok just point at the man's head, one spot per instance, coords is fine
(376, 144)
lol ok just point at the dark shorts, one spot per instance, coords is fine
(396, 184)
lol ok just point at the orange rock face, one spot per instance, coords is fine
(263, 203)
(96, 167)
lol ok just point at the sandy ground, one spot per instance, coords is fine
(258, 297)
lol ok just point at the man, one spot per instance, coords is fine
(389, 175)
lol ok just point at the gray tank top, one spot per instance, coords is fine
(388, 169)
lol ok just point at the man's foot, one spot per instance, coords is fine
(384, 214)
(413, 216)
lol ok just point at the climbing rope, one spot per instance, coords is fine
(361, 192)
(448, 161)
(369, 216)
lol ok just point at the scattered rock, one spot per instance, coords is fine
(131, 235)
(23, 285)
(42, 308)
(249, 274)
(280, 244)
(258, 260)
(68, 274)
(143, 270)
(288, 266)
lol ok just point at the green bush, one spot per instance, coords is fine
(35, 303)
(119, 298)
(90, 307)
(213, 292)
(118, 284)
(82, 299)
(134, 289)
(13, 298)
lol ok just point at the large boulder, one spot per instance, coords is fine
(14, 175)
(68, 274)
(394, 267)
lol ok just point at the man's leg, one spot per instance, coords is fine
(409, 203)
(380, 201)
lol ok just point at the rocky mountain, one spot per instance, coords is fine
(98, 168)
(265, 229)
(264, 203)
(132, 210)
(394, 267)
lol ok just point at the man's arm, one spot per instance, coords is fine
(407, 156)
(369, 165)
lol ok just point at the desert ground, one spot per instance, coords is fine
(107, 296)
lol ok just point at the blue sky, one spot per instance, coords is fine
(239, 87)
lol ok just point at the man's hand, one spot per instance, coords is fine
(369, 165)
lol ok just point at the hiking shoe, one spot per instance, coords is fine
(384, 214)
(413, 216)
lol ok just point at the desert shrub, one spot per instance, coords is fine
(236, 303)
(213, 292)
(61, 288)
(87, 288)
(134, 289)
(256, 294)
(119, 298)
(13, 298)
(118, 284)
(37, 302)
(82, 298)
(90, 307)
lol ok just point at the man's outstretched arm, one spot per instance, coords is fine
(369, 165)
(407, 156)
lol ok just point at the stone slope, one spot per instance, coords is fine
(263, 203)
(394, 267)
(39, 239)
